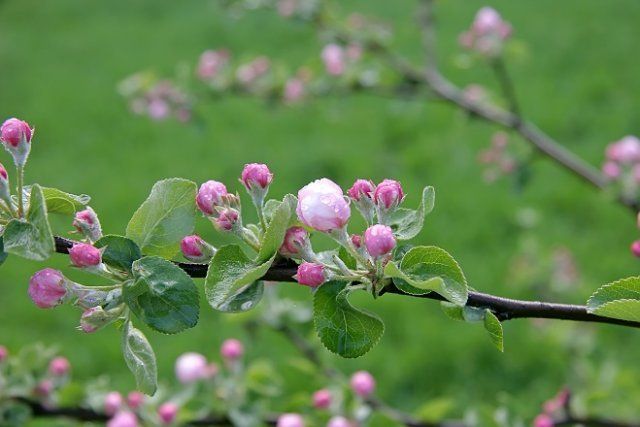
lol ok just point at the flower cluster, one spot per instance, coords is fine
(156, 99)
(487, 34)
(622, 163)
(553, 408)
(497, 158)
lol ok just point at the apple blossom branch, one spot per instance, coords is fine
(504, 308)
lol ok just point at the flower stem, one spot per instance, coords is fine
(20, 177)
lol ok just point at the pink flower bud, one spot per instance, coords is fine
(310, 274)
(543, 420)
(191, 367)
(294, 90)
(14, 131)
(333, 57)
(59, 367)
(295, 239)
(231, 350)
(195, 249)
(135, 399)
(361, 188)
(256, 175)
(388, 194)
(362, 383)
(625, 151)
(290, 420)
(47, 288)
(322, 206)
(123, 419)
(4, 353)
(211, 62)
(356, 240)
(227, 219)
(322, 399)
(379, 240)
(212, 370)
(4, 176)
(44, 388)
(112, 403)
(167, 412)
(85, 255)
(5, 188)
(487, 33)
(635, 248)
(87, 223)
(611, 170)
(209, 196)
(339, 421)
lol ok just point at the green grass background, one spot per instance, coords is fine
(60, 62)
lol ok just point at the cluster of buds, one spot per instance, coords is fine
(323, 206)
(623, 162)
(487, 34)
(554, 408)
(249, 74)
(220, 206)
(212, 63)
(156, 99)
(362, 385)
(496, 158)
(337, 59)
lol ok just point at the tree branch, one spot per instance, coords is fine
(504, 308)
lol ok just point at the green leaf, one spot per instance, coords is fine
(120, 252)
(140, 358)
(3, 254)
(162, 295)
(276, 229)
(232, 282)
(428, 268)
(407, 223)
(342, 328)
(618, 300)
(494, 328)
(164, 218)
(32, 238)
(64, 203)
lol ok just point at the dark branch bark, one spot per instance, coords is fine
(503, 308)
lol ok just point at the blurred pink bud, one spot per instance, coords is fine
(191, 367)
(4, 176)
(112, 403)
(543, 420)
(44, 388)
(195, 249)
(123, 419)
(135, 399)
(211, 62)
(87, 223)
(322, 399)
(294, 90)
(362, 383)
(487, 33)
(379, 240)
(310, 274)
(339, 421)
(354, 51)
(388, 194)
(322, 206)
(4, 353)
(59, 367)
(231, 349)
(626, 150)
(290, 420)
(362, 188)
(256, 175)
(47, 288)
(249, 73)
(210, 195)
(611, 170)
(167, 412)
(227, 219)
(286, 8)
(295, 239)
(212, 370)
(635, 248)
(14, 131)
(475, 93)
(85, 255)
(333, 57)
(158, 109)
(356, 239)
